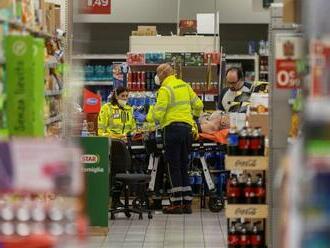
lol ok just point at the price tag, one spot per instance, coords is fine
(95, 6)
(288, 51)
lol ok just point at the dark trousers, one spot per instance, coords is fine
(178, 140)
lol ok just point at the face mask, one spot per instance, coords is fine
(122, 103)
(157, 80)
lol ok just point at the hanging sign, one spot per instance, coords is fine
(99, 7)
(289, 49)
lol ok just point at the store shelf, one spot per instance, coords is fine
(240, 57)
(246, 211)
(53, 119)
(263, 72)
(100, 56)
(19, 25)
(53, 92)
(246, 163)
(98, 83)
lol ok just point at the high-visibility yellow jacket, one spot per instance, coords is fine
(114, 121)
(176, 102)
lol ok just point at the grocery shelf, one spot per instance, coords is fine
(257, 211)
(17, 24)
(99, 56)
(263, 72)
(100, 83)
(53, 92)
(246, 162)
(51, 120)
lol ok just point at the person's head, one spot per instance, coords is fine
(163, 71)
(234, 78)
(119, 96)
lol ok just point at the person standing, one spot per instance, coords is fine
(235, 97)
(175, 108)
(116, 118)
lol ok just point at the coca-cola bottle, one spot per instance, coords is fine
(248, 190)
(233, 190)
(233, 236)
(260, 190)
(257, 236)
(261, 151)
(243, 143)
(244, 237)
(255, 142)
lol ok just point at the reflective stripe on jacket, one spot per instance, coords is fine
(114, 120)
(176, 102)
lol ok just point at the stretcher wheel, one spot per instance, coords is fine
(216, 204)
(128, 215)
(140, 217)
(112, 217)
(149, 216)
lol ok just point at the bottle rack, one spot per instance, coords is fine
(246, 232)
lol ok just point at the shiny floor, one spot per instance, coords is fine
(201, 229)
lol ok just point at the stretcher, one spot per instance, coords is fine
(153, 146)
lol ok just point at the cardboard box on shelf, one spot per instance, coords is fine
(259, 120)
(50, 18)
(292, 11)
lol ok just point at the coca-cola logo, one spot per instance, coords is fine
(246, 163)
(246, 211)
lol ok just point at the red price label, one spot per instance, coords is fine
(286, 74)
(95, 7)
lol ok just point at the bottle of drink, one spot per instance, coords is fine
(248, 190)
(243, 144)
(261, 151)
(244, 237)
(84, 130)
(233, 190)
(233, 236)
(257, 236)
(233, 140)
(255, 142)
(260, 190)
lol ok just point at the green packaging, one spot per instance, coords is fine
(38, 95)
(194, 59)
(24, 84)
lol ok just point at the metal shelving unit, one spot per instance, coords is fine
(279, 114)
(99, 56)
(98, 83)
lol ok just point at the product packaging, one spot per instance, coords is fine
(25, 88)
(214, 58)
(193, 59)
(177, 58)
(135, 58)
(154, 58)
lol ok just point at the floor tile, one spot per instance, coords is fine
(153, 245)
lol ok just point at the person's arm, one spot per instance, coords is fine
(157, 112)
(196, 103)
(220, 105)
(133, 130)
(103, 121)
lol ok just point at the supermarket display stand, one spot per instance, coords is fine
(243, 210)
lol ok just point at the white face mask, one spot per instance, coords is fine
(157, 80)
(122, 103)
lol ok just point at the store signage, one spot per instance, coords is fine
(320, 60)
(246, 211)
(89, 159)
(246, 163)
(100, 7)
(288, 51)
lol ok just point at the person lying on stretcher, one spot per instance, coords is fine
(213, 126)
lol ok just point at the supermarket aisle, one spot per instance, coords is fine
(201, 229)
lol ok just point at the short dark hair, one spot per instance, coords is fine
(238, 70)
(117, 92)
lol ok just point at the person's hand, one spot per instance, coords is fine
(139, 116)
